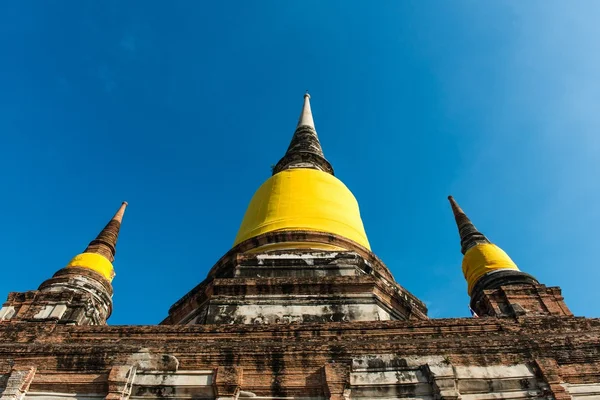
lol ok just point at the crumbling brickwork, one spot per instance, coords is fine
(72, 296)
(516, 300)
(538, 357)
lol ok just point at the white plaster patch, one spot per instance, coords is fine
(286, 314)
(389, 376)
(296, 256)
(494, 371)
(62, 396)
(179, 378)
(58, 311)
(587, 391)
(7, 312)
(178, 385)
(44, 312)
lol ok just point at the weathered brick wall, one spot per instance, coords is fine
(514, 300)
(299, 286)
(541, 355)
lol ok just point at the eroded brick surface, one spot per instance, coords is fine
(326, 360)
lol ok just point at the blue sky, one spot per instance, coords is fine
(182, 108)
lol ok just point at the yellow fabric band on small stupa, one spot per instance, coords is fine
(484, 258)
(95, 262)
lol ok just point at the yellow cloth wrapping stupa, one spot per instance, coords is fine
(95, 262)
(484, 258)
(303, 199)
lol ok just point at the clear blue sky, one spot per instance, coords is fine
(180, 108)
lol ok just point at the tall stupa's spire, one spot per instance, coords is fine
(305, 149)
(469, 235)
(106, 242)
(100, 253)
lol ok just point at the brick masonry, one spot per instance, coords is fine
(324, 360)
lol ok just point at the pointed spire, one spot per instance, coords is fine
(469, 235)
(305, 149)
(306, 118)
(106, 241)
